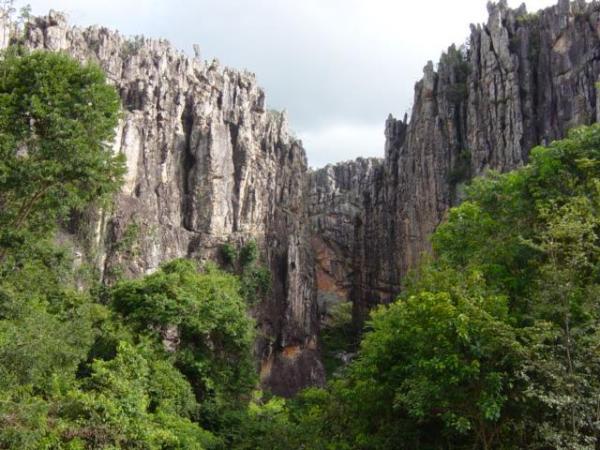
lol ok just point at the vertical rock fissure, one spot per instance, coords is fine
(239, 159)
(188, 165)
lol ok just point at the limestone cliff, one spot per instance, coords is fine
(523, 79)
(343, 197)
(207, 164)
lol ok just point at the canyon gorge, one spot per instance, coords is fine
(208, 163)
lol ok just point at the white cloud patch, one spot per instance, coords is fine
(342, 141)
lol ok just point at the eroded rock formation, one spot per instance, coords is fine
(524, 79)
(207, 164)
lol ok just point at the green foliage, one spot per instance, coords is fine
(248, 254)
(146, 364)
(338, 338)
(214, 333)
(119, 406)
(57, 119)
(45, 324)
(228, 254)
(439, 358)
(494, 343)
(255, 284)
(277, 424)
(255, 279)
(129, 239)
(265, 425)
(70, 375)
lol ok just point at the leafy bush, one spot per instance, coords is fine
(248, 254)
(214, 333)
(255, 284)
(255, 279)
(228, 254)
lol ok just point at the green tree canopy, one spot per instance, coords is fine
(206, 317)
(57, 122)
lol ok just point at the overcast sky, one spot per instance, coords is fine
(339, 67)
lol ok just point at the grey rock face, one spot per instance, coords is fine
(207, 164)
(525, 79)
(343, 196)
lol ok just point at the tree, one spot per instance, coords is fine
(133, 401)
(534, 234)
(212, 334)
(57, 121)
(442, 361)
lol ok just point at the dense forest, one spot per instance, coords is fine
(494, 342)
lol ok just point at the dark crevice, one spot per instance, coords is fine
(239, 163)
(188, 166)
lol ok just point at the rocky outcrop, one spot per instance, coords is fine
(524, 79)
(207, 164)
(342, 198)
